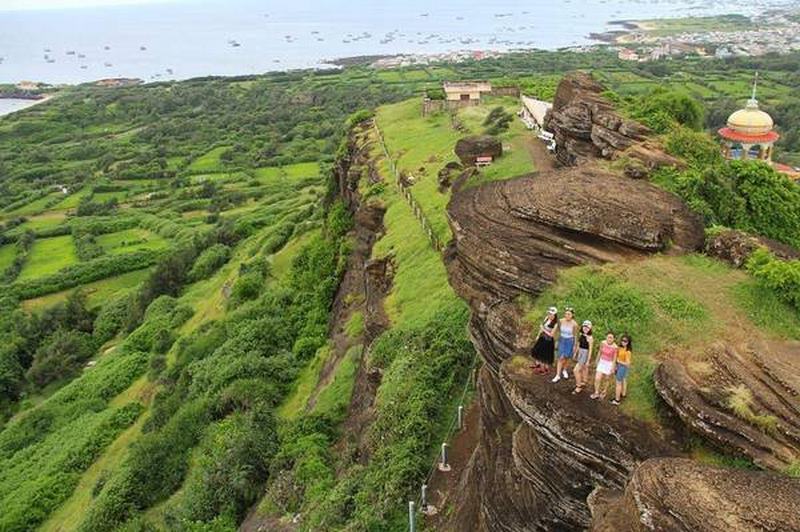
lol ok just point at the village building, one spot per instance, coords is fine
(27, 86)
(466, 92)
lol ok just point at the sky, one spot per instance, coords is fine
(18, 5)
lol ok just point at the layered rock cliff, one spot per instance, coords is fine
(543, 451)
(547, 460)
(586, 126)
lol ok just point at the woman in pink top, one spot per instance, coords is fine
(606, 359)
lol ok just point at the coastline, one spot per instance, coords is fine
(29, 102)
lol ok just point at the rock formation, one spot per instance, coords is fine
(743, 400)
(734, 247)
(684, 496)
(542, 451)
(587, 127)
(469, 149)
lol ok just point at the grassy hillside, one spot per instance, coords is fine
(167, 360)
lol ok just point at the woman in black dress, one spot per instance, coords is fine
(545, 347)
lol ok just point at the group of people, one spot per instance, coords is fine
(562, 341)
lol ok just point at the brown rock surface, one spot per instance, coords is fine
(541, 449)
(675, 494)
(470, 148)
(586, 126)
(734, 247)
(765, 378)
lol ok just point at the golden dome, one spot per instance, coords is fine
(751, 120)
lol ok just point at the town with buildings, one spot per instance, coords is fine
(773, 32)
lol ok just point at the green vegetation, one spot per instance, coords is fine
(782, 277)
(661, 302)
(165, 360)
(747, 195)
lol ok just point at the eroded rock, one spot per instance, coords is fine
(586, 126)
(734, 247)
(744, 401)
(469, 149)
(678, 494)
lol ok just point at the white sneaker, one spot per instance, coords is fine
(565, 374)
(556, 378)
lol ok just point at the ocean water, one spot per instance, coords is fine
(8, 106)
(179, 39)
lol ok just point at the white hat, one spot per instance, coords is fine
(552, 310)
(587, 323)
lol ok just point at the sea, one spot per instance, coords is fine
(180, 39)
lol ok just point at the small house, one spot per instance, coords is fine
(466, 92)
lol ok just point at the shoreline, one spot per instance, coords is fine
(30, 102)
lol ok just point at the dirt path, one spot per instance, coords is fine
(543, 160)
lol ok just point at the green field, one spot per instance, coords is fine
(72, 201)
(292, 172)
(97, 292)
(209, 162)
(48, 256)
(7, 254)
(34, 207)
(422, 146)
(131, 240)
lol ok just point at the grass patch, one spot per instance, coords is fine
(291, 172)
(7, 254)
(296, 402)
(355, 325)
(209, 162)
(131, 240)
(765, 308)
(740, 401)
(334, 399)
(48, 256)
(97, 292)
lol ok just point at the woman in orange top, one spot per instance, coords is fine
(623, 366)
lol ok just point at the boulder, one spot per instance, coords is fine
(681, 495)
(734, 247)
(742, 400)
(586, 126)
(469, 149)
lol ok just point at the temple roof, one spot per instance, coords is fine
(744, 138)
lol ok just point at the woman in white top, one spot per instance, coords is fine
(567, 347)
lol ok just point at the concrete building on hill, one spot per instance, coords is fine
(466, 92)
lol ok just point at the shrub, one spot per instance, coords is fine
(209, 262)
(60, 356)
(782, 277)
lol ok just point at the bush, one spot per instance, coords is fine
(662, 109)
(209, 262)
(60, 356)
(782, 277)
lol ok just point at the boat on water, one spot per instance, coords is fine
(81, 56)
(106, 47)
(71, 52)
(143, 48)
(84, 67)
(107, 65)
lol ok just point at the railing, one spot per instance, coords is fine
(405, 191)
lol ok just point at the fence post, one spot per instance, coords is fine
(412, 524)
(443, 465)
(460, 417)
(424, 497)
